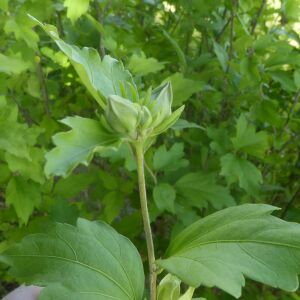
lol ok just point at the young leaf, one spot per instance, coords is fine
(12, 65)
(237, 242)
(243, 171)
(101, 78)
(142, 65)
(183, 124)
(76, 8)
(184, 88)
(77, 146)
(28, 168)
(90, 261)
(113, 203)
(221, 55)
(179, 52)
(201, 188)
(164, 196)
(249, 141)
(169, 288)
(163, 159)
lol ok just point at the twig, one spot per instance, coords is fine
(223, 29)
(59, 25)
(100, 17)
(230, 53)
(42, 82)
(255, 20)
(25, 113)
(151, 173)
(291, 111)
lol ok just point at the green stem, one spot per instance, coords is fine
(147, 228)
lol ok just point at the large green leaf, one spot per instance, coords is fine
(88, 262)
(101, 78)
(237, 242)
(77, 146)
(201, 188)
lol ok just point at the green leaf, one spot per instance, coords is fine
(142, 65)
(13, 65)
(15, 138)
(169, 288)
(285, 80)
(77, 146)
(245, 241)
(113, 203)
(179, 52)
(75, 183)
(201, 189)
(220, 139)
(168, 122)
(291, 9)
(4, 5)
(21, 27)
(24, 196)
(183, 88)
(241, 170)
(248, 140)
(89, 261)
(183, 124)
(64, 212)
(297, 78)
(266, 111)
(221, 55)
(101, 78)
(76, 8)
(163, 159)
(164, 197)
(28, 168)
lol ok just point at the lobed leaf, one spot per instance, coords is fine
(201, 189)
(248, 140)
(77, 146)
(239, 169)
(244, 241)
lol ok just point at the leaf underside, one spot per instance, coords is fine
(88, 262)
(101, 77)
(244, 241)
(77, 146)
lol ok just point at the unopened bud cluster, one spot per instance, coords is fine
(141, 118)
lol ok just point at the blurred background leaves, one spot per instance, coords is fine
(235, 64)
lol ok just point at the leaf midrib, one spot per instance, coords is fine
(75, 262)
(237, 242)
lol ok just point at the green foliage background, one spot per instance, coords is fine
(235, 64)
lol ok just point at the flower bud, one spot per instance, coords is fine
(121, 114)
(145, 119)
(161, 103)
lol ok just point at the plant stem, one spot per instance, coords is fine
(147, 228)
